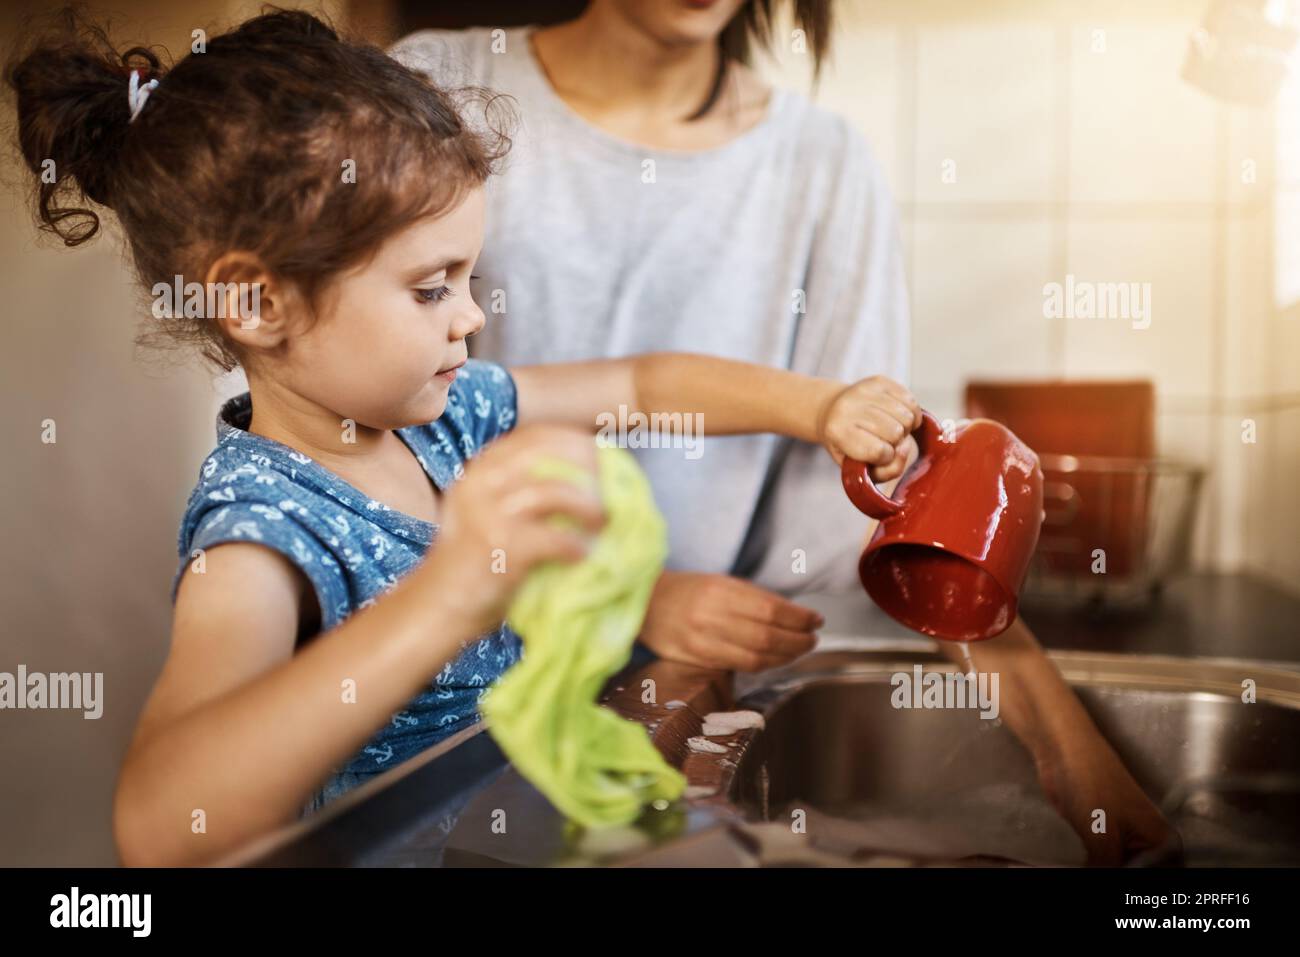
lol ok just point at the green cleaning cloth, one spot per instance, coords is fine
(578, 622)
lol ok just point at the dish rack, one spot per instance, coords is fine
(1114, 530)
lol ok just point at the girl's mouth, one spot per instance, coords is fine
(448, 375)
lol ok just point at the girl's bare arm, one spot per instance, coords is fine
(241, 729)
(244, 730)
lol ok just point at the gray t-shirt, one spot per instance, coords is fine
(780, 247)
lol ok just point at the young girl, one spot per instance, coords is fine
(337, 605)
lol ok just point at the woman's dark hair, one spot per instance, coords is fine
(752, 28)
(244, 145)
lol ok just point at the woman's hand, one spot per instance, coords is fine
(871, 421)
(498, 521)
(1084, 775)
(717, 621)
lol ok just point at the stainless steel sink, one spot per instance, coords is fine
(1225, 773)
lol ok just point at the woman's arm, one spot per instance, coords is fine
(867, 420)
(1078, 769)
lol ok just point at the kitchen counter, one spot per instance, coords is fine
(461, 803)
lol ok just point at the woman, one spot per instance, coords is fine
(660, 196)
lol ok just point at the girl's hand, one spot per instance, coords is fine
(497, 522)
(871, 421)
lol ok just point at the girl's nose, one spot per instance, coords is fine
(470, 321)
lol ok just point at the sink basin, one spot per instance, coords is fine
(1226, 774)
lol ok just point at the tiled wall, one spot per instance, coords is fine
(1031, 139)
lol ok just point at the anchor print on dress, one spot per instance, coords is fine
(381, 755)
(290, 507)
(233, 476)
(444, 444)
(456, 409)
(247, 530)
(441, 691)
(300, 552)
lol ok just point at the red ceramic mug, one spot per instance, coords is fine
(954, 543)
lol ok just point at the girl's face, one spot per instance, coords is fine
(389, 334)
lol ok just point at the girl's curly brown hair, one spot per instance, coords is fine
(243, 146)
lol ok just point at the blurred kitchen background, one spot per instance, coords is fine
(1027, 141)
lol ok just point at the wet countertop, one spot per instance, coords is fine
(461, 803)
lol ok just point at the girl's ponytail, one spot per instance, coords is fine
(71, 91)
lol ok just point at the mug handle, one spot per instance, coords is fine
(863, 493)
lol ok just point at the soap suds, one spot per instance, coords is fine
(720, 723)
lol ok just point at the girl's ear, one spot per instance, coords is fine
(254, 309)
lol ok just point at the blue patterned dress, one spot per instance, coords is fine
(352, 548)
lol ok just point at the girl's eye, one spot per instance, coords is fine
(434, 295)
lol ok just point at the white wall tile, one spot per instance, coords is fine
(1138, 132)
(1248, 173)
(1175, 259)
(1248, 303)
(1255, 461)
(978, 306)
(985, 104)
(1186, 438)
(1278, 545)
(1229, 501)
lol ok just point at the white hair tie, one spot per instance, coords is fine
(137, 95)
